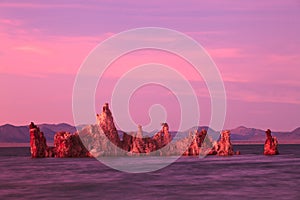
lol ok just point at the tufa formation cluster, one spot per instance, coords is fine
(103, 139)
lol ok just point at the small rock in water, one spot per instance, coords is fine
(271, 144)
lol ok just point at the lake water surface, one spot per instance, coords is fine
(247, 176)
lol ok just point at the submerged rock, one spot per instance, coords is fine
(271, 144)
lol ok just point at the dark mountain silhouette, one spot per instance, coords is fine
(251, 134)
(10, 133)
(20, 134)
(296, 131)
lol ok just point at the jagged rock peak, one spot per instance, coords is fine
(106, 122)
(38, 144)
(105, 119)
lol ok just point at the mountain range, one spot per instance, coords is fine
(20, 134)
(251, 134)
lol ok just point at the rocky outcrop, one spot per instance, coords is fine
(102, 139)
(163, 137)
(106, 122)
(271, 144)
(69, 145)
(223, 147)
(146, 145)
(97, 143)
(200, 143)
(38, 144)
(193, 149)
(65, 144)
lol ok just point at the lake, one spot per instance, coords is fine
(250, 175)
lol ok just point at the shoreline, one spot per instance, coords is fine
(15, 144)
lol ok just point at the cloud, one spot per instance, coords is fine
(225, 52)
(10, 22)
(33, 49)
(40, 5)
(28, 51)
(260, 92)
(283, 59)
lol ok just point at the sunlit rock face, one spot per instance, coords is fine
(102, 139)
(69, 145)
(38, 145)
(193, 149)
(197, 145)
(163, 137)
(136, 144)
(271, 144)
(97, 142)
(132, 144)
(106, 122)
(223, 147)
(65, 145)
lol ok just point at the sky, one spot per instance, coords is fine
(255, 45)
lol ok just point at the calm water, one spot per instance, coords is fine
(248, 176)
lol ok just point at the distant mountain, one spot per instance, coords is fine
(10, 133)
(251, 134)
(244, 133)
(58, 127)
(296, 131)
(20, 134)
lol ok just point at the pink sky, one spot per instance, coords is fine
(255, 44)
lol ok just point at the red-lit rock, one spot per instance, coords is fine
(97, 142)
(69, 145)
(65, 145)
(38, 145)
(205, 142)
(106, 122)
(271, 144)
(162, 138)
(193, 149)
(102, 139)
(138, 142)
(223, 147)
